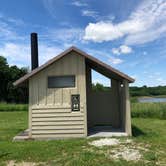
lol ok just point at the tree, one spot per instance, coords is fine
(99, 87)
(17, 94)
(4, 77)
(9, 74)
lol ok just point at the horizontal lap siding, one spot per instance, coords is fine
(56, 136)
(54, 122)
(55, 127)
(50, 109)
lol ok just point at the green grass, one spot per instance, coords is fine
(134, 99)
(13, 107)
(75, 152)
(149, 110)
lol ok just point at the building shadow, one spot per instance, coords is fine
(136, 132)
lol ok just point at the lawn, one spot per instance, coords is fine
(147, 132)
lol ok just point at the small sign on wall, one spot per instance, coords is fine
(75, 102)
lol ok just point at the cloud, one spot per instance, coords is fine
(64, 36)
(105, 54)
(115, 61)
(49, 5)
(8, 28)
(123, 49)
(19, 54)
(96, 16)
(90, 13)
(51, 42)
(145, 24)
(16, 54)
(79, 4)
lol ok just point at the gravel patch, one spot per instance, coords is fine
(123, 149)
(14, 163)
(105, 142)
(126, 153)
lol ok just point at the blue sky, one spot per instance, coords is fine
(129, 35)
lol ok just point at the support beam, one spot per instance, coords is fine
(88, 91)
(115, 104)
(126, 108)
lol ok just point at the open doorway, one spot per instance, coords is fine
(102, 102)
(99, 81)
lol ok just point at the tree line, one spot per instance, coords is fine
(9, 74)
(147, 91)
(136, 91)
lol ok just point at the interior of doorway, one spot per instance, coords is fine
(98, 96)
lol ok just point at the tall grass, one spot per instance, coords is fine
(13, 107)
(148, 110)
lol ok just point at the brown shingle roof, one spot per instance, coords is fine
(87, 56)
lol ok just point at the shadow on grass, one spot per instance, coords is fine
(3, 154)
(136, 132)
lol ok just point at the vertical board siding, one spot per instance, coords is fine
(42, 83)
(51, 114)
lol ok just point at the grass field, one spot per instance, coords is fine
(150, 132)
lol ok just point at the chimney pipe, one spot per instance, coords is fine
(34, 51)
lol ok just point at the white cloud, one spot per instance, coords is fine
(97, 16)
(145, 24)
(17, 50)
(79, 4)
(115, 61)
(101, 31)
(19, 54)
(8, 28)
(90, 13)
(115, 51)
(16, 54)
(105, 54)
(64, 36)
(123, 49)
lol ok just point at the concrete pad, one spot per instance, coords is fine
(24, 135)
(105, 131)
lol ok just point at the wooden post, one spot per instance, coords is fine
(126, 108)
(116, 114)
(88, 91)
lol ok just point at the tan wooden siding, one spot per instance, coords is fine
(55, 135)
(51, 114)
(64, 123)
(45, 122)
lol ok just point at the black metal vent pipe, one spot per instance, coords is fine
(34, 51)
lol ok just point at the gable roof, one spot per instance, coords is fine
(93, 61)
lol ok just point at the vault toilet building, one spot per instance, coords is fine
(62, 102)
